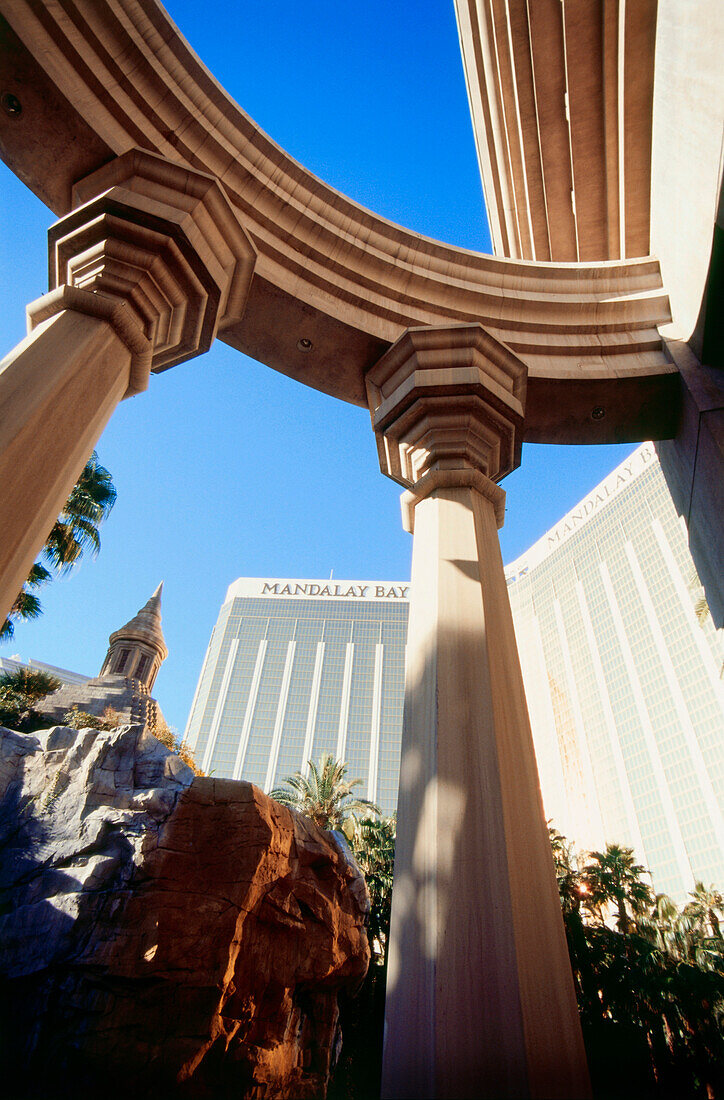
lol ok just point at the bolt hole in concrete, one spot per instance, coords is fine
(11, 105)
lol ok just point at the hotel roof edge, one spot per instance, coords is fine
(606, 490)
(336, 589)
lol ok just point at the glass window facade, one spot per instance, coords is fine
(295, 669)
(623, 680)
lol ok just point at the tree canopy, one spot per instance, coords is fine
(651, 988)
(20, 690)
(373, 843)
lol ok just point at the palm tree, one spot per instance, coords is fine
(33, 683)
(652, 990)
(612, 877)
(373, 843)
(19, 691)
(705, 904)
(668, 930)
(325, 795)
(568, 876)
(26, 604)
(75, 530)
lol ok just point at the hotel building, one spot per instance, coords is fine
(622, 680)
(297, 668)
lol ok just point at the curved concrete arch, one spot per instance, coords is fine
(182, 220)
(96, 80)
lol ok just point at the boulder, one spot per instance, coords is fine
(165, 934)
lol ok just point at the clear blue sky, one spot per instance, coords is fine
(225, 468)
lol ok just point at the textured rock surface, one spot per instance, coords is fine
(165, 934)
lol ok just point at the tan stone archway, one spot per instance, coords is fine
(182, 221)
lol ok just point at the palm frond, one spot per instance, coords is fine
(76, 529)
(325, 794)
(38, 575)
(26, 605)
(31, 683)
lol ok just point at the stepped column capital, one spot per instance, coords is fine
(155, 249)
(447, 406)
(147, 267)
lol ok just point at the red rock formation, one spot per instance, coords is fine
(209, 940)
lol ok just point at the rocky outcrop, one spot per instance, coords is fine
(163, 934)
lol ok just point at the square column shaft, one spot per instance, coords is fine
(58, 390)
(480, 998)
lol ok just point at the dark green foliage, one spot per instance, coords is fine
(373, 844)
(358, 1073)
(651, 989)
(613, 878)
(19, 691)
(75, 531)
(326, 795)
(649, 977)
(16, 713)
(33, 683)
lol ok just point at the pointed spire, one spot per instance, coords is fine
(145, 626)
(139, 647)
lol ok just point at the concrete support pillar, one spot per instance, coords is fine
(57, 392)
(693, 465)
(143, 271)
(480, 998)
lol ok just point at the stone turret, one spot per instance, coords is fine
(138, 649)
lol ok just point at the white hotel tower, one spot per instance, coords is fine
(622, 680)
(297, 668)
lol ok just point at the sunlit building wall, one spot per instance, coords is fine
(297, 668)
(623, 679)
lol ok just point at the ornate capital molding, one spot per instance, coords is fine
(447, 404)
(164, 240)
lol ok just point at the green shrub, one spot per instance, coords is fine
(19, 691)
(79, 719)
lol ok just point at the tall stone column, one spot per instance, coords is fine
(480, 997)
(142, 272)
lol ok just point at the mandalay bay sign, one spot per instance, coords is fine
(285, 588)
(338, 591)
(601, 495)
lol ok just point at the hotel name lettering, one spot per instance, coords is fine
(608, 489)
(352, 592)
